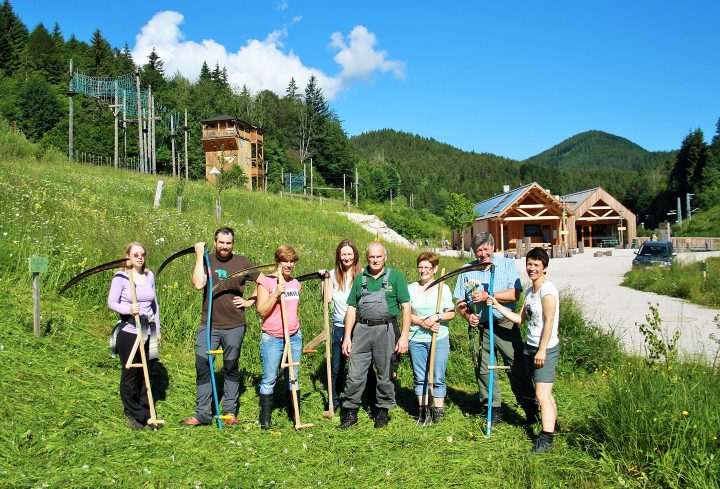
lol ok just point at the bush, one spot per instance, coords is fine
(583, 344)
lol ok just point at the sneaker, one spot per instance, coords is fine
(231, 420)
(381, 419)
(192, 422)
(542, 443)
(133, 423)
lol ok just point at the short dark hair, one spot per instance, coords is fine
(225, 230)
(538, 254)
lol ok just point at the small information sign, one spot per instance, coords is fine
(621, 228)
(38, 264)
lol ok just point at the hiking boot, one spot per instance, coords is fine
(349, 418)
(438, 414)
(266, 402)
(381, 419)
(133, 423)
(542, 443)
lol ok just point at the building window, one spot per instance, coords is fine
(533, 230)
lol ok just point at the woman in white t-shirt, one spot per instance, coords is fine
(541, 310)
(347, 267)
(425, 321)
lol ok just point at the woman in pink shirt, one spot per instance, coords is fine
(272, 342)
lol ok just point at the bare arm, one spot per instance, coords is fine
(512, 316)
(267, 301)
(199, 276)
(402, 344)
(349, 325)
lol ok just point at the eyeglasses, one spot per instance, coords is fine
(425, 268)
(139, 255)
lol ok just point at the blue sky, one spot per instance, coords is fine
(510, 78)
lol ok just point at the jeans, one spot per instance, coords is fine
(271, 350)
(420, 356)
(337, 364)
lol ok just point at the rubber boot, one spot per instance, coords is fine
(423, 414)
(349, 418)
(438, 414)
(290, 408)
(266, 402)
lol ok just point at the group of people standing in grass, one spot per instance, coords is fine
(376, 317)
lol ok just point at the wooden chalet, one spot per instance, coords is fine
(599, 219)
(230, 142)
(527, 211)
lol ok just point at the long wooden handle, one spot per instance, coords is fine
(140, 342)
(288, 351)
(433, 342)
(328, 341)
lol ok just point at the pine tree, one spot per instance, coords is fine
(205, 74)
(153, 72)
(101, 56)
(291, 92)
(690, 161)
(709, 194)
(41, 54)
(13, 35)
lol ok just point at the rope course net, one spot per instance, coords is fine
(121, 89)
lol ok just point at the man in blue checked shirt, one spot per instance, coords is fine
(471, 293)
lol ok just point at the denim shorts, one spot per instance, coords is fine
(546, 373)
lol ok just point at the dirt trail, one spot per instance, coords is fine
(596, 282)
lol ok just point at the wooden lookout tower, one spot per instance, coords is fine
(230, 142)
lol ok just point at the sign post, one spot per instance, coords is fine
(38, 265)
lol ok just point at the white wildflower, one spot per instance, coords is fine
(86, 467)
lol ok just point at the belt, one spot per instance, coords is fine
(377, 322)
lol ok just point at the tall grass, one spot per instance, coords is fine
(658, 421)
(681, 280)
(59, 391)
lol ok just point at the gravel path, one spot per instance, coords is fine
(596, 282)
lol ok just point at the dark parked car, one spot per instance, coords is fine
(658, 253)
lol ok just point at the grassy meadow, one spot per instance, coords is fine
(63, 423)
(683, 280)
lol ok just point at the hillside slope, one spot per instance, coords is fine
(63, 422)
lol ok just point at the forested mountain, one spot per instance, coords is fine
(597, 149)
(431, 170)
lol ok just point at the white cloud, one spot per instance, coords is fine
(358, 56)
(261, 64)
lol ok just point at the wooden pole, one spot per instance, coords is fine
(71, 107)
(138, 94)
(36, 303)
(311, 177)
(344, 193)
(172, 142)
(330, 413)
(151, 134)
(356, 186)
(116, 111)
(186, 154)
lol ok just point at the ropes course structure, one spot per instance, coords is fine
(130, 105)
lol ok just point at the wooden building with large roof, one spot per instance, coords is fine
(598, 219)
(230, 142)
(529, 210)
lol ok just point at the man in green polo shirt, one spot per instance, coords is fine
(377, 296)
